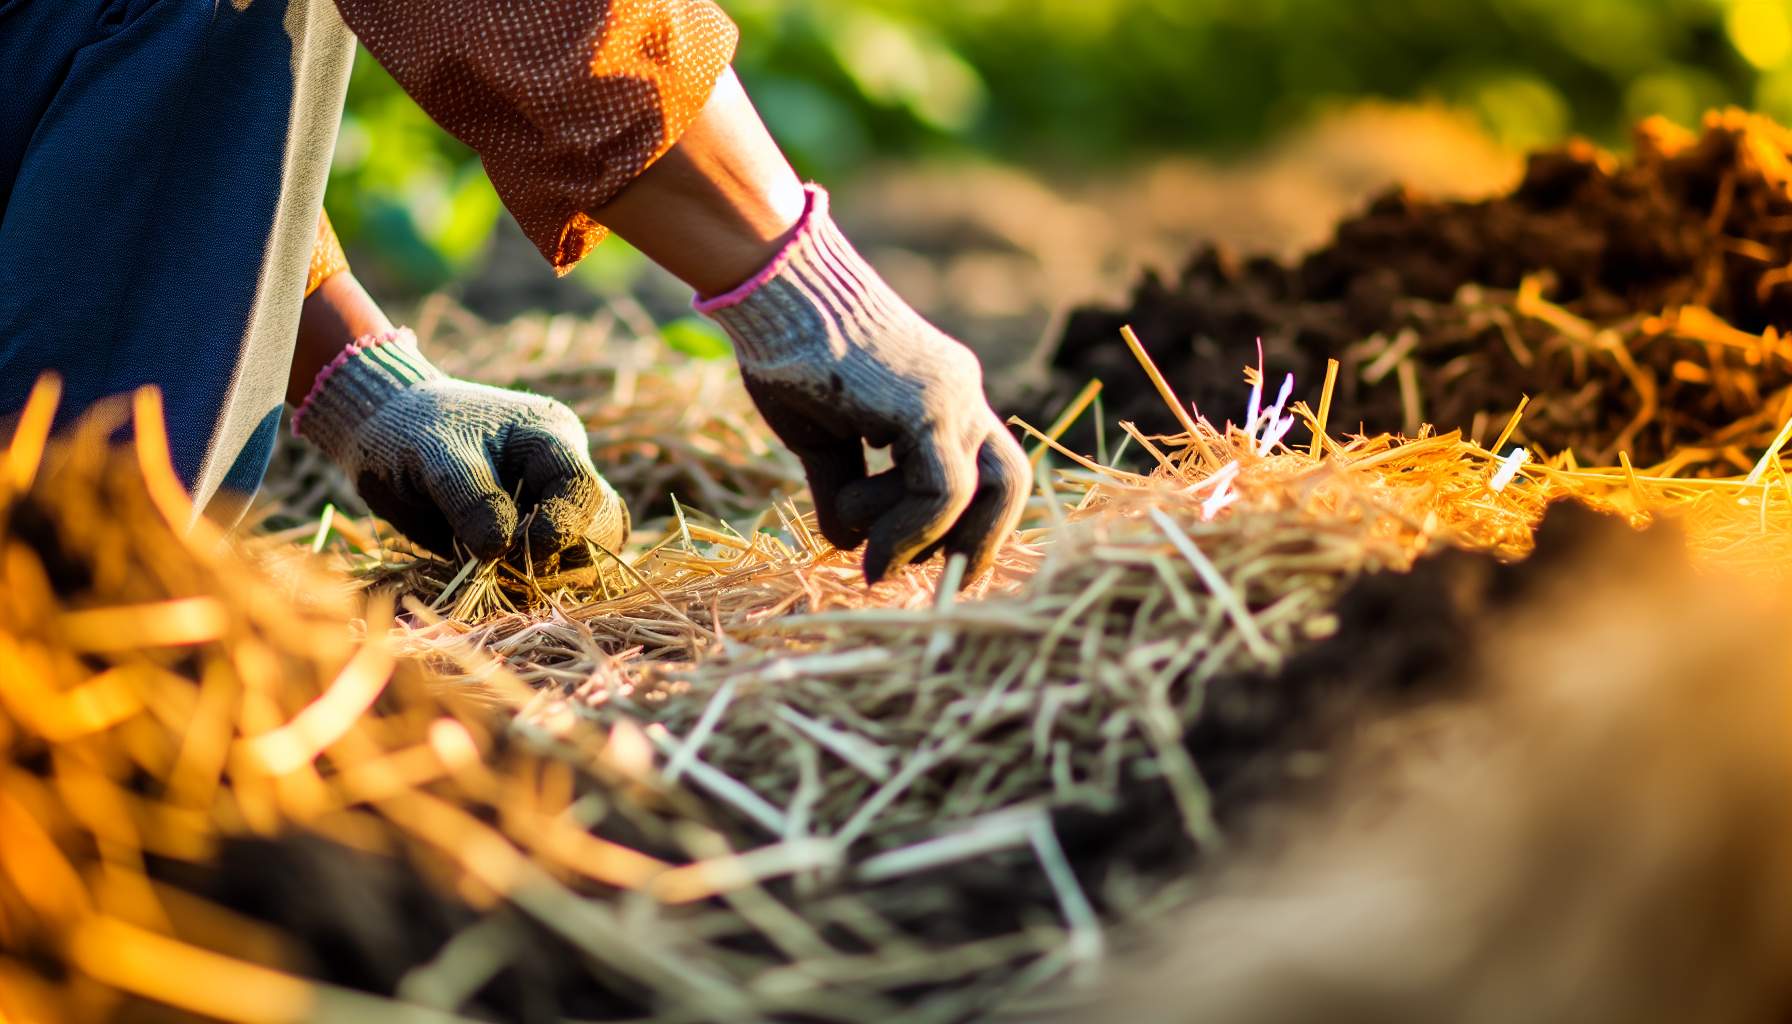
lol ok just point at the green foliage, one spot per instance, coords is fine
(1091, 81)
(696, 337)
(1087, 83)
(404, 195)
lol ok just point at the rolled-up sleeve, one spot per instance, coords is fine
(327, 257)
(565, 101)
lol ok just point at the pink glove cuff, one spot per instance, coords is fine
(814, 213)
(360, 345)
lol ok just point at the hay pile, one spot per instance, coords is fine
(216, 794)
(1642, 304)
(720, 779)
(744, 789)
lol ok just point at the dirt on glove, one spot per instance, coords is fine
(1638, 303)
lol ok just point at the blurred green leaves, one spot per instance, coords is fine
(696, 337)
(1076, 85)
(903, 65)
(409, 199)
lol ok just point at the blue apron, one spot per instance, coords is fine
(162, 164)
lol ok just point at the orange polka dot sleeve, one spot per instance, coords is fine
(327, 257)
(565, 101)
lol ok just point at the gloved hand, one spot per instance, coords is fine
(834, 359)
(440, 458)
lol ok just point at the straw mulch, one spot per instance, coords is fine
(734, 784)
(194, 753)
(660, 423)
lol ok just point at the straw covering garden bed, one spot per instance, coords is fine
(721, 780)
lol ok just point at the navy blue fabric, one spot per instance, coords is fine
(141, 152)
(244, 476)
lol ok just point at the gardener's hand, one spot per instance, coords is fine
(835, 360)
(448, 462)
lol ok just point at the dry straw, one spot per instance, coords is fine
(659, 423)
(738, 785)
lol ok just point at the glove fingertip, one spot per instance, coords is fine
(839, 534)
(877, 563)
(489, 531)
(979, 559)
(835, 515)
(605, 522)
(559, 522)
(486, 548)
(860, 503)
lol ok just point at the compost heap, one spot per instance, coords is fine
(1641, 304)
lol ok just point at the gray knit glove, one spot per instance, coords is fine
(834, 360)
(441, 458)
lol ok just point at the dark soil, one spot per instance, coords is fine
(1269, 743)
(1688, 221)
(365, 921)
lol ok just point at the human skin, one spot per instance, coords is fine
(333, 317)
(720, 205)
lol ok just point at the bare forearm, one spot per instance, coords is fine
(720, 204)
(334, 316)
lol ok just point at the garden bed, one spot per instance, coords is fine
(723, 780)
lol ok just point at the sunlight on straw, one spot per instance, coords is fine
(326, 719)
(156, 460)
(1325, 408)
(1637, 494)
(706, 879)
(838, 762)
(1509, 467)
(1163, 386)
(186, 977)
(96, 705)
(601, 860)
(628, 751)
(181, 622)
(1088, 464)
(324, 522)
(41, 876)
(1772, 455)
(26, 449)
(1524, 402)
(1074, 411)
